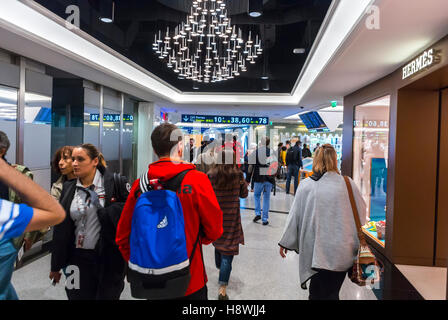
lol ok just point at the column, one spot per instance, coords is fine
(145, 128)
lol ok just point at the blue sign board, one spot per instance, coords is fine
(189, 118)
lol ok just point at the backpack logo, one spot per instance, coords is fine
(163, 223)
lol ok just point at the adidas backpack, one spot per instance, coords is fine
(159, 266)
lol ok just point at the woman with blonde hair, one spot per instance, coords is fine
(86, 239)
(321, 227)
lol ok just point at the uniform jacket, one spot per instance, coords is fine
(64, 233)
(200, 208)
(321, 227)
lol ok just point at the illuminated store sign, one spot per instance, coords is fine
(371, 123)
(188, 118)
(424, 61)
(95, 117)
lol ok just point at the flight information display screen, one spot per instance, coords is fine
(94, 117)
(189, 118)
(313, 121)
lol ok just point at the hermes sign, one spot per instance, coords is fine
(423, 62)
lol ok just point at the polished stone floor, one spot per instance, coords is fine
(259, 273)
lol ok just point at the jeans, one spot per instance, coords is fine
(293, 170)
(224, 264)
(8, 255)
(265, 188)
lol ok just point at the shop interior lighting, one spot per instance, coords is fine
(206, 47)
(255, 8)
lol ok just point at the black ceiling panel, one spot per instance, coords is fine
(284, 25)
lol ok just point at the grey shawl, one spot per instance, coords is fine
(321, 227)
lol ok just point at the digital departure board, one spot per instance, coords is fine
(189, 118)
(95, 117)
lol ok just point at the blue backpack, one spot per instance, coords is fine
(159, 266)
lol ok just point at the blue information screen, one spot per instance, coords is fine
(189, 118)
(313, 121)
(95, 117)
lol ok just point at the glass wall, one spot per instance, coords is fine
(37, 140)
(111, 131)
(129, 151)
(8, 118)
(370, 161)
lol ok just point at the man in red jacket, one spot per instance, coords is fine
(199, 204)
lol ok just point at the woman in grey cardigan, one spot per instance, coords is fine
(321, 227)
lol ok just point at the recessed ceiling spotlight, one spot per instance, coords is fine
(255, 8)
(264, 78)
(299, 51)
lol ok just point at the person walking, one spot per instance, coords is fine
(201, 211)
(263, 181)
(208, 158)
(86, 239)
(306, 152)
(321, 227)
(41, 211)
(294, 163)
(229, 186)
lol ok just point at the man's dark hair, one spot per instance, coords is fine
(298, 143)
(161, 139)
(280, 144)
(288, 142)
(304, 145)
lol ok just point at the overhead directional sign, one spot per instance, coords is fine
(190, 118)
(94, 117)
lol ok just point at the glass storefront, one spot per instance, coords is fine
(37, 139)
(370, 161)
(8, 118)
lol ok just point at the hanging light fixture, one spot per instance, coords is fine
(107, 11)
(206, 47)
(255, 8)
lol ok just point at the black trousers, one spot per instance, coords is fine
(201, 294)
(95, 282)
(325, 285)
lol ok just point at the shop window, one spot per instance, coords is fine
(8, 118)
(37, 137)
(370, 161)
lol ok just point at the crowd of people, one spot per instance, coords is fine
(152, 230)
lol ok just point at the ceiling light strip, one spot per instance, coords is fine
(344, 19)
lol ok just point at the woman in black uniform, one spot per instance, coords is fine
(85, 241)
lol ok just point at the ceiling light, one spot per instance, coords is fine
(265, 85)
(299, 51)
(205, 56)
(107, 11)
(255, 8)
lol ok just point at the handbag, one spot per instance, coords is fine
(366, 267)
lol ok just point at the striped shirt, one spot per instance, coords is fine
(14, 218)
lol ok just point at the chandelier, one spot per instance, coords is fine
(206, 47)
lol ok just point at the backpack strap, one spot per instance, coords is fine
(175, 183)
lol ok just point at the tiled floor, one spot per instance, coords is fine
(259, 273)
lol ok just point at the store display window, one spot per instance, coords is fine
(370, 162)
